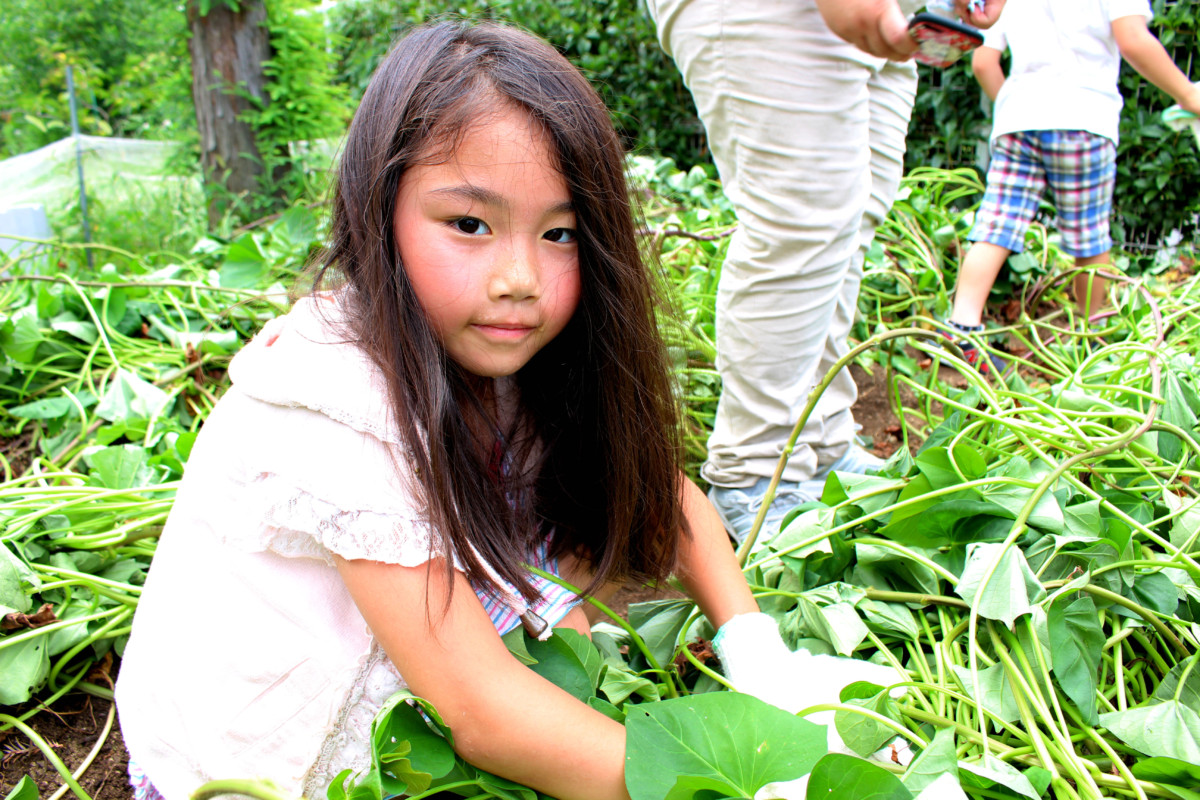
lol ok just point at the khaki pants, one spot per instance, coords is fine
(808, 136)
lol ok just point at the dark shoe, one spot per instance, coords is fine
(982, 361)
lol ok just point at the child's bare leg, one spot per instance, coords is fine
(577, 620)
(975, 278)
(583, 616)
(604, 594)
(1090, 295)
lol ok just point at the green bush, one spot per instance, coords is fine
(950, 121)
(130, 68)
(306, 104)
(612, 41)
(1158, 171)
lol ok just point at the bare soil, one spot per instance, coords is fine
(76, 724)
(16, 452)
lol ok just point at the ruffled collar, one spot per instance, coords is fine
(307, 359)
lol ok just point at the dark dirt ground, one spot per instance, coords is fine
(76, 723)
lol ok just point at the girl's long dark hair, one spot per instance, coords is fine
(598, 449)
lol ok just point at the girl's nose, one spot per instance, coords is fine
(515, 273)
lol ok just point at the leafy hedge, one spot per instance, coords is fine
(130, 66)
(1158, 171)
(1158, 182)
(612, 42)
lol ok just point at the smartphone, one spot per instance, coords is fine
(941, 41)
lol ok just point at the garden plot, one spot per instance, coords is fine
(1028, 557)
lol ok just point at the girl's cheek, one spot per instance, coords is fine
(567, 288)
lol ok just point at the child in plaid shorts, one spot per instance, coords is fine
(1055, 125)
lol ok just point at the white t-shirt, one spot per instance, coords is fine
(248, 657)
(1065, 63)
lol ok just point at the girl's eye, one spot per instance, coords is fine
(471, 226)
(560, 235)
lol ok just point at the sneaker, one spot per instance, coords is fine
(855, 459)
(984, 362)
(738, 507)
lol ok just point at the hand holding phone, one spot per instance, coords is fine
(941, 41)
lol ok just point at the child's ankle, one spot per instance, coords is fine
(965, 328)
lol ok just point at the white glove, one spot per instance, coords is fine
(758, 663)
(784, 790)
(755, 659)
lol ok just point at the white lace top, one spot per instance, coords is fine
(248, 658)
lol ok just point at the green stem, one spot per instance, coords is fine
(915, 738)
(260, 790)
(1114, 758)
(1044, 671)
(747, 546)
(1142, 612)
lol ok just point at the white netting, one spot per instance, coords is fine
(27, 220)
(42, 185)
(48, 175)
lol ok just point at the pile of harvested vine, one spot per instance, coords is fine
(1032, 566)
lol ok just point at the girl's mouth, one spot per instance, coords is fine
(501, 330)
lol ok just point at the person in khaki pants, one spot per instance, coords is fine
(806, 104)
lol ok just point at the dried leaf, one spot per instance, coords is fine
(15, 619)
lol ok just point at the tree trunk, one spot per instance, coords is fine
(228, 50)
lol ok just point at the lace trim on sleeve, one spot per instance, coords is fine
(294, 523)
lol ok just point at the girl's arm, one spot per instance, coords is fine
(985, 63)
(1146, 54)
(708, 566)
(505, 718)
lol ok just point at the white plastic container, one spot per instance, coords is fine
(24, 220)
(1177, 120)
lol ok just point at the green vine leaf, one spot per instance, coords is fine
(1012, 589)
(860, 733)
(25, 789)
(1078, 642)
(721, 739)
(842, 777)
(1169, 724)
(991, 771)
(560, 662)
(937, 759)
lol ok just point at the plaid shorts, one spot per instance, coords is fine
(1080, 169)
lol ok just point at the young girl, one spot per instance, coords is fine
(476, 383)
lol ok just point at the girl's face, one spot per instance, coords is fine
(488, 241)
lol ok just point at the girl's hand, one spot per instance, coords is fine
(505, 718)
(708, 566)
(757, 662)
(1191, 100)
